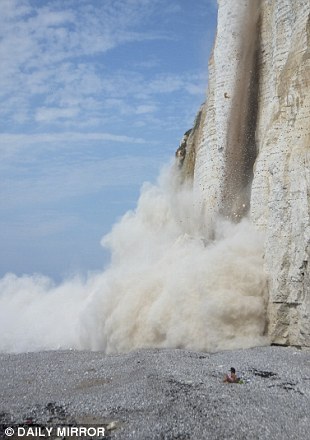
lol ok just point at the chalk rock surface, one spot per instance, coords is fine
(161, 394)
(280, 198)
(252, 148)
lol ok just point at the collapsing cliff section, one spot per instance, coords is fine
(186, 153)
(225, 157)
(254, 146)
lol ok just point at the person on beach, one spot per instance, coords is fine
(232, 377)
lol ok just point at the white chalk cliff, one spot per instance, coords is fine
(250, 148)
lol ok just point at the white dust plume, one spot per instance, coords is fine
(166, 286)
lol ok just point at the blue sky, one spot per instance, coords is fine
(96, 95)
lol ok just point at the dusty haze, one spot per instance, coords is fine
(167, 286)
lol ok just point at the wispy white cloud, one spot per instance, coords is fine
(53, 113)
(64, 180)
(146, 108)
(92, 103)
(12, 145)
(43, 48)
(37, 225)
(53, 67)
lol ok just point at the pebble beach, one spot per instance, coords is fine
(160, 393)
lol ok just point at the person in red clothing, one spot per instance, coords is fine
(232, 377)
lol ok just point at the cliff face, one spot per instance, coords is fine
(281, 186)
(250, 151)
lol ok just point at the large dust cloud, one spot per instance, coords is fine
(166, 286)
